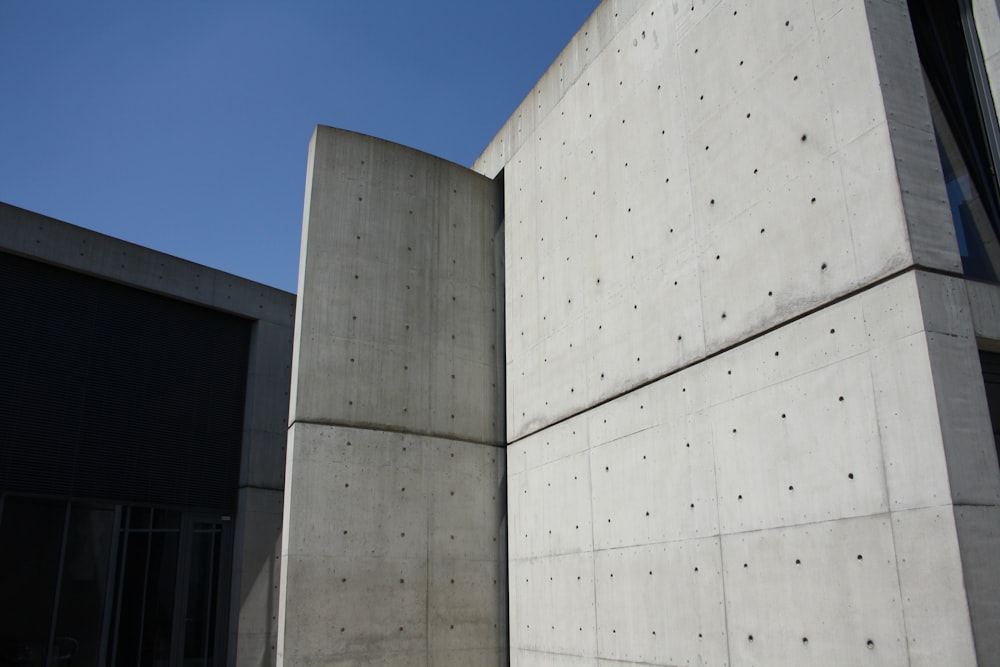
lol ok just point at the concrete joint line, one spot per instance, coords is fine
(395, 429)
(812, 311)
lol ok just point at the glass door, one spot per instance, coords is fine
(93, 584)
(199, 616)
(171, 577)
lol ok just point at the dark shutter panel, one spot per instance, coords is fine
(111, 392)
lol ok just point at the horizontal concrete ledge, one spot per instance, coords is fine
(364, 426)
(743, 341)
(51, 241)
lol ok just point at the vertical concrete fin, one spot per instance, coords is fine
(392, 525)
(918, 167)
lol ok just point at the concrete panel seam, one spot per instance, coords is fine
(364, 426)
(722, 570)
(736, 344)
(737, 533)
(892, 528)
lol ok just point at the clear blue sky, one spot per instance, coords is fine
(183, 125)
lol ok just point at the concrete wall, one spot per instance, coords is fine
(392, 551)
(257, 524)
(744, 412)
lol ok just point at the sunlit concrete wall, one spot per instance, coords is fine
(745, 417)
(393, 546)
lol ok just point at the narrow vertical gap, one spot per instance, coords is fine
(109, 587)
(121, 585)
(59, 579)
(990, 363)
(145, 589)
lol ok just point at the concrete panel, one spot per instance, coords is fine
(933, 597)
(978, 531)
(396, 326)
(662, 604)
(851, 73)
(655, 485)
(818, 594)
(551, 508)
(386, 531)
(653, 223)
(840, 405)
(984, 305)
(912, 449)
(966, 430)
(775, 467)
(874, 205)
(552, 600)
(458, 592)
(378, 609)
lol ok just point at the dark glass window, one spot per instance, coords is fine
(990, 362)
(93, 584)
(965, 127)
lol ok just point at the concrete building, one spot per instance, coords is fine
(694, 366)
(142, 434)
(712, 313)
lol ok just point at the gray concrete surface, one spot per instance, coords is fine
(744, 425)
(392, 551)
(673, 201)
(744, 489)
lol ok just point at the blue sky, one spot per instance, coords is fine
(183, 125)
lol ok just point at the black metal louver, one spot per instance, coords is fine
(111, 392)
